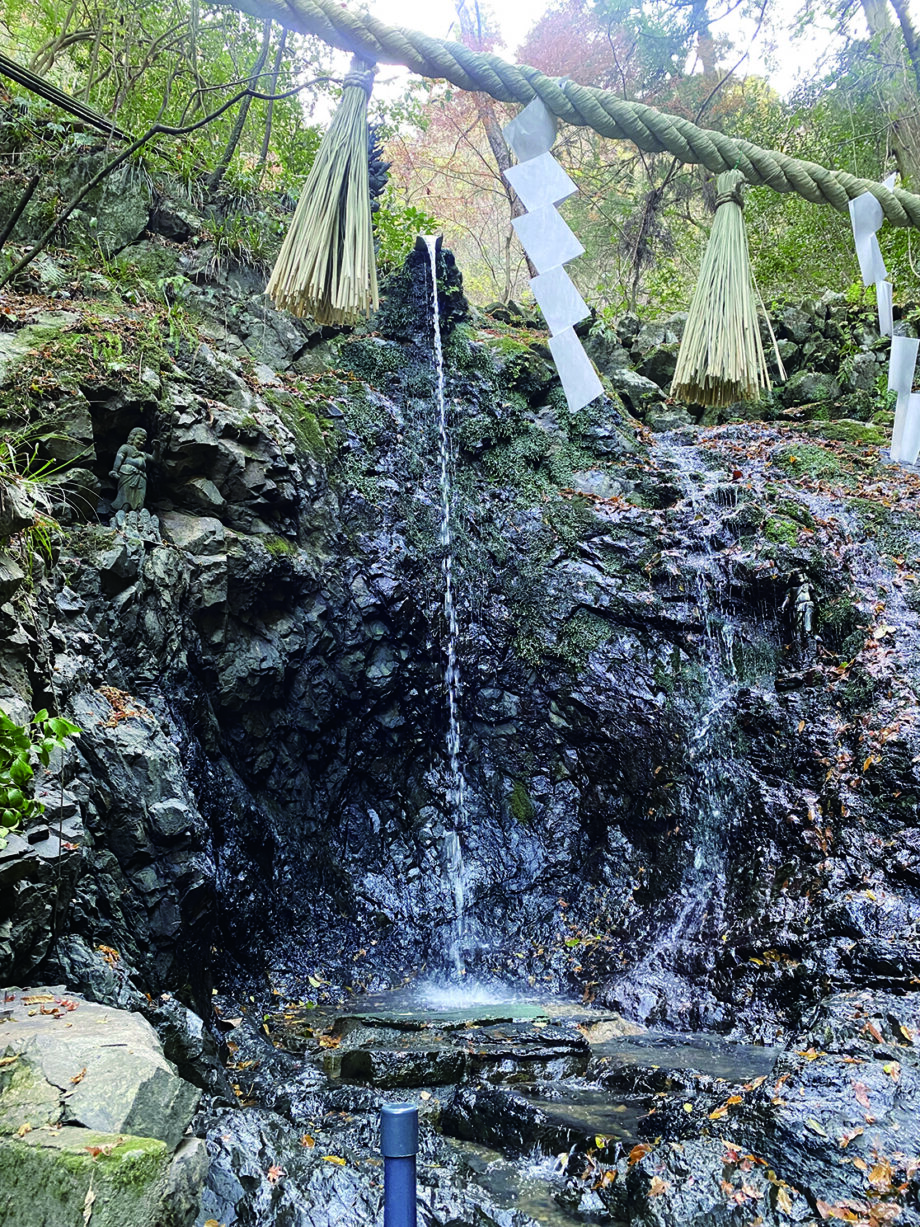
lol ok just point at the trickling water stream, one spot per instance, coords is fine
(456, 796)
(709, 797)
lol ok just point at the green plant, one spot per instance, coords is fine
(21, 748)
(396, 227)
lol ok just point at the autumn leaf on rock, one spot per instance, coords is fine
(334, 1159)
(307, 1141)
(861, 1091)
(638, 1152)
(783, 1201)
(658, 1186)
(275, 1172)
(77, 1078)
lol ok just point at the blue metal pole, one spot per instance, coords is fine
(399, 1144)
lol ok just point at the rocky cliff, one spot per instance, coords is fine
(688, 659)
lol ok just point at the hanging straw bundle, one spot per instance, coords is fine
(326, 267)
(721, 357)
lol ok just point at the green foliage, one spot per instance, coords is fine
(396, 227)
(22, 748)
(238, 240)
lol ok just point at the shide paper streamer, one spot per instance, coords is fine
(540, 184)
(866, 217)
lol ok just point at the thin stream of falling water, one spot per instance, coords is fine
(456, 796)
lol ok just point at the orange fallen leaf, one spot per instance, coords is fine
(275, 1172)
(307, 1141)
(77, 1078)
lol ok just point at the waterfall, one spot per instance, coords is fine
(711, 790)
(456, 794)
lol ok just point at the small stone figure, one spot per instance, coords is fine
(801, 605)
(130, 471)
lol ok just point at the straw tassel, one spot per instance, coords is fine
(326, 267)
(721, 357)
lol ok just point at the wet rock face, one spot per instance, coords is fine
(667, 803)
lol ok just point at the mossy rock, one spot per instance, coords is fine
(520, 804)
(51, 1178)
(810, 460)
(150, 260)
(782, 530)
(848, 430)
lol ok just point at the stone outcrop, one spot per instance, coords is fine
(92, 1118)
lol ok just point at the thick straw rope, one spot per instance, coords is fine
(582, 105)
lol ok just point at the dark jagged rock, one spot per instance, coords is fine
(682, 802)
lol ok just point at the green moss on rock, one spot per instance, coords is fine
(781, 530)
(520, 804)
(47, 1176)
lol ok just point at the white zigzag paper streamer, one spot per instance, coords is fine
(866, 217)
(540, 184)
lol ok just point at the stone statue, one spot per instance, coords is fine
(130, 471)
(801, 605)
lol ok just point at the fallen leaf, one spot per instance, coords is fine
(23, 1129)
(815, 1127)
(732, 1100)
(861, 1091)
(848, 1137)
(639, 1151)
(783, 1201)
(77, 1078)
(657, 1187)
(718, 1113)
(9, 1060)
(892, 1069)
(880, 1176)
(275, 1172)
(88, 1204)
(307, 1141)
(334, 1159)
(37, 997)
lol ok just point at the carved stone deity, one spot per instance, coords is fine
(130, 471)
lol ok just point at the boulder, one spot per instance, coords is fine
(78, 1063)
(92, 1118)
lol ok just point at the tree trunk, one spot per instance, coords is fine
(272, 89)
(900, 85)
(220, 169)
